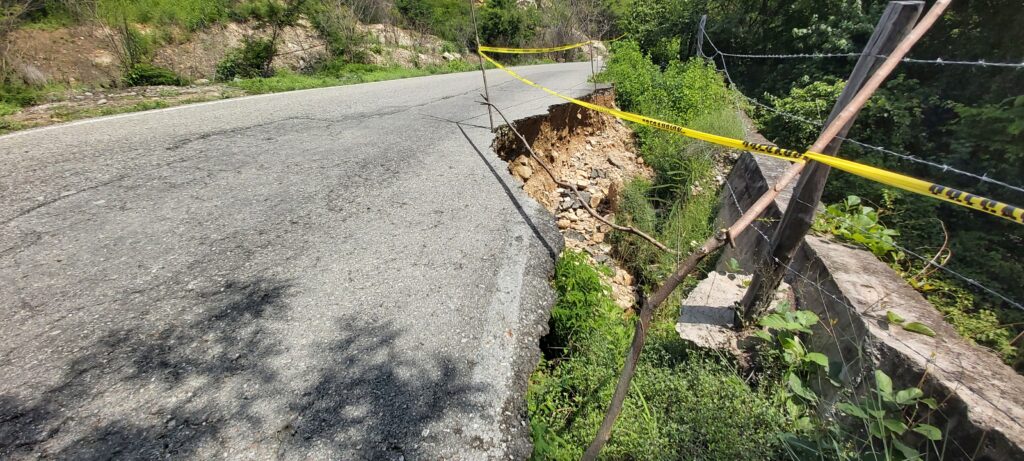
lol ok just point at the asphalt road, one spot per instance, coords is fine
(327, 274)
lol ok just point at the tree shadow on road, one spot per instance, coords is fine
(227, 340)
(201, 388)
(376, 401)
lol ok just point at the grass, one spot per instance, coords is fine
(343, 74)
(683, 404)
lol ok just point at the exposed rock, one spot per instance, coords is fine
(523, 172)
(707, 315)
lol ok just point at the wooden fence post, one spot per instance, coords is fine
(896, 22)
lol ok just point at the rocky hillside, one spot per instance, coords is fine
(85, 55)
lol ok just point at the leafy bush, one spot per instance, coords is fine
(503, 23)
(852, 221)
(251, 60)
(148, 74)
(336, 23)
(677, 207)
(7, 108)
(18, 94)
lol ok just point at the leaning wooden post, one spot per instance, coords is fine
(476, 34)
(896, 22)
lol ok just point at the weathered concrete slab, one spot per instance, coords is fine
(707, 314)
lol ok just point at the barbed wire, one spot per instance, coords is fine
(939, 61)
(791, 56)
(945, 168)
(818, 124)
(928, 262)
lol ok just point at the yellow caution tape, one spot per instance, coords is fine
(497, 49)
(949, 194)
(965, 199)
(505, 50)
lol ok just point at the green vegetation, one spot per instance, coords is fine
(678, 206)
(883, 424)
(344, 74)
(148, 74)
(448, 19)
(251, 60)
(684, 405)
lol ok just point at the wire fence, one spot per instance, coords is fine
(819, 124)
(939, 61)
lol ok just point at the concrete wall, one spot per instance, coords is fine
(982, 415)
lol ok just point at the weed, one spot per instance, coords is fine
(148, 74)
(251, 60)
(8, 108)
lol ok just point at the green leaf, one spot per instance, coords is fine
(876, 429)
(853, 200)
(908, 452)
(883, 383)
(806, 318)
(734, 266)
(763, 335)
(931, 432)
(798, 388)
(792, 345)
(817, 357)
(894, 317)
(773, 321)
(930, 403)
(895, 425)
(908, 395)
(852, 410)
(919, 328)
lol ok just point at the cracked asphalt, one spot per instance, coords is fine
(341, 273)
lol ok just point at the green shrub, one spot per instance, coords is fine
(8, 109)
(504, 23)
(337, 24)
(148, 74)
(18, 94)
(251, 60)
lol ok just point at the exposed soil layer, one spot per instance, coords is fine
(594, 151)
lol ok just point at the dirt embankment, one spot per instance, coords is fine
(594, 151)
